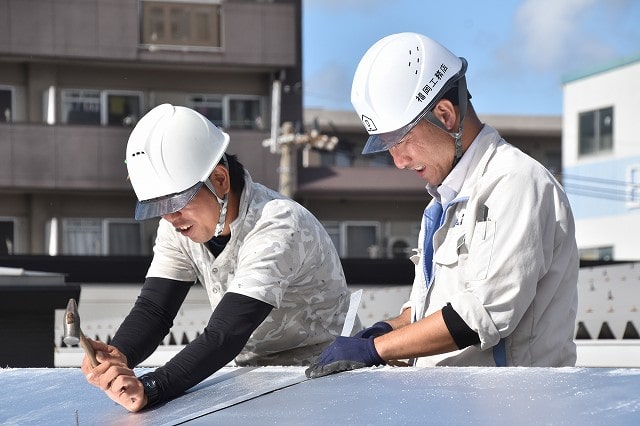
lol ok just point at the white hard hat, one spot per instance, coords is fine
(397, 82)
(170, 154)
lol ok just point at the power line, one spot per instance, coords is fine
(602, 188)
(595, 179)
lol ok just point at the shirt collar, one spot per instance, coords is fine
(451, 185)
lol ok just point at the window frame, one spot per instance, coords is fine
(600, 145)
(208, 100)
(227, 110)
(101, 225)
(103, 105)
(106, 241)
(344, 243)
(14, 230)
(168, 43)
(12, 104)
(226, 100)
(597, 253)
(66, 101)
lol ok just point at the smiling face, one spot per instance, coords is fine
(427, 150)
(198, 219)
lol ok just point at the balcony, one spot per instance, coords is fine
(63, 157)
(252, 34)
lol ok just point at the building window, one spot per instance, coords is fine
(181, 23)
(6, 104)
(13, 235)
(245, 113)
(595, 131)
(633, 186)
(229, 111)
(7, 236)
(124, 237)
(355, 239)
(210, 106)
(597, 253)
(85, 236)
(81, 107)
(106, 107)
(122, 109)
(361, 240)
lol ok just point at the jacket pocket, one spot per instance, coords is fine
(447, 254)
(480, 251)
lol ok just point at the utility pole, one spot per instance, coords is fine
(286, 144)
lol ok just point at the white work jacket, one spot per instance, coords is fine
(506, 259)
(278, 253)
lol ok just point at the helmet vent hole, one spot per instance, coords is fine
(135, 154)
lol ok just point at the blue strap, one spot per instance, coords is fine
(433, 220)
(500, 354)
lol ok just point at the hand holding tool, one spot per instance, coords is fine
(73, 334)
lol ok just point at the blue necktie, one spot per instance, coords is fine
(433, 219)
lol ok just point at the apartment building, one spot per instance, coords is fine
(76, 75)
(601, 158)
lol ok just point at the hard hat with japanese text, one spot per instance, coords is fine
(397, 82)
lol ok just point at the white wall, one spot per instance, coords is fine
(620, 88)
(603, 215)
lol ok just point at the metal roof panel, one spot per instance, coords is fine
(385, 395)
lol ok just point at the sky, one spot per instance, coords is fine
(519, 51)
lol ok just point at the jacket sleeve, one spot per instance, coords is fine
(510, 246)
(229, 328)
(150, 319)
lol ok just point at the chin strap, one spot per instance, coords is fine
(223, 214)
(462, 101)
(222, 202)
(457, 136)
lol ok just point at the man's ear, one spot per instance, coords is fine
(446, 113)
(220, 180)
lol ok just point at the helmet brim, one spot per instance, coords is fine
(384, 141)
(157, 207)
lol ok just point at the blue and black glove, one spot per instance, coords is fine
(345, 353)
(377, 329)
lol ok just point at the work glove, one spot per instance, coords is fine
(377, 329)
(345, 353)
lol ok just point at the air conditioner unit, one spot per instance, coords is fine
(400, 247)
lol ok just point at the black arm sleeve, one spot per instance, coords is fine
(462, 334)
(229, 328)
(150, 318)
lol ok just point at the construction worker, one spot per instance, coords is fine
(271, 272)
(496, 266)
